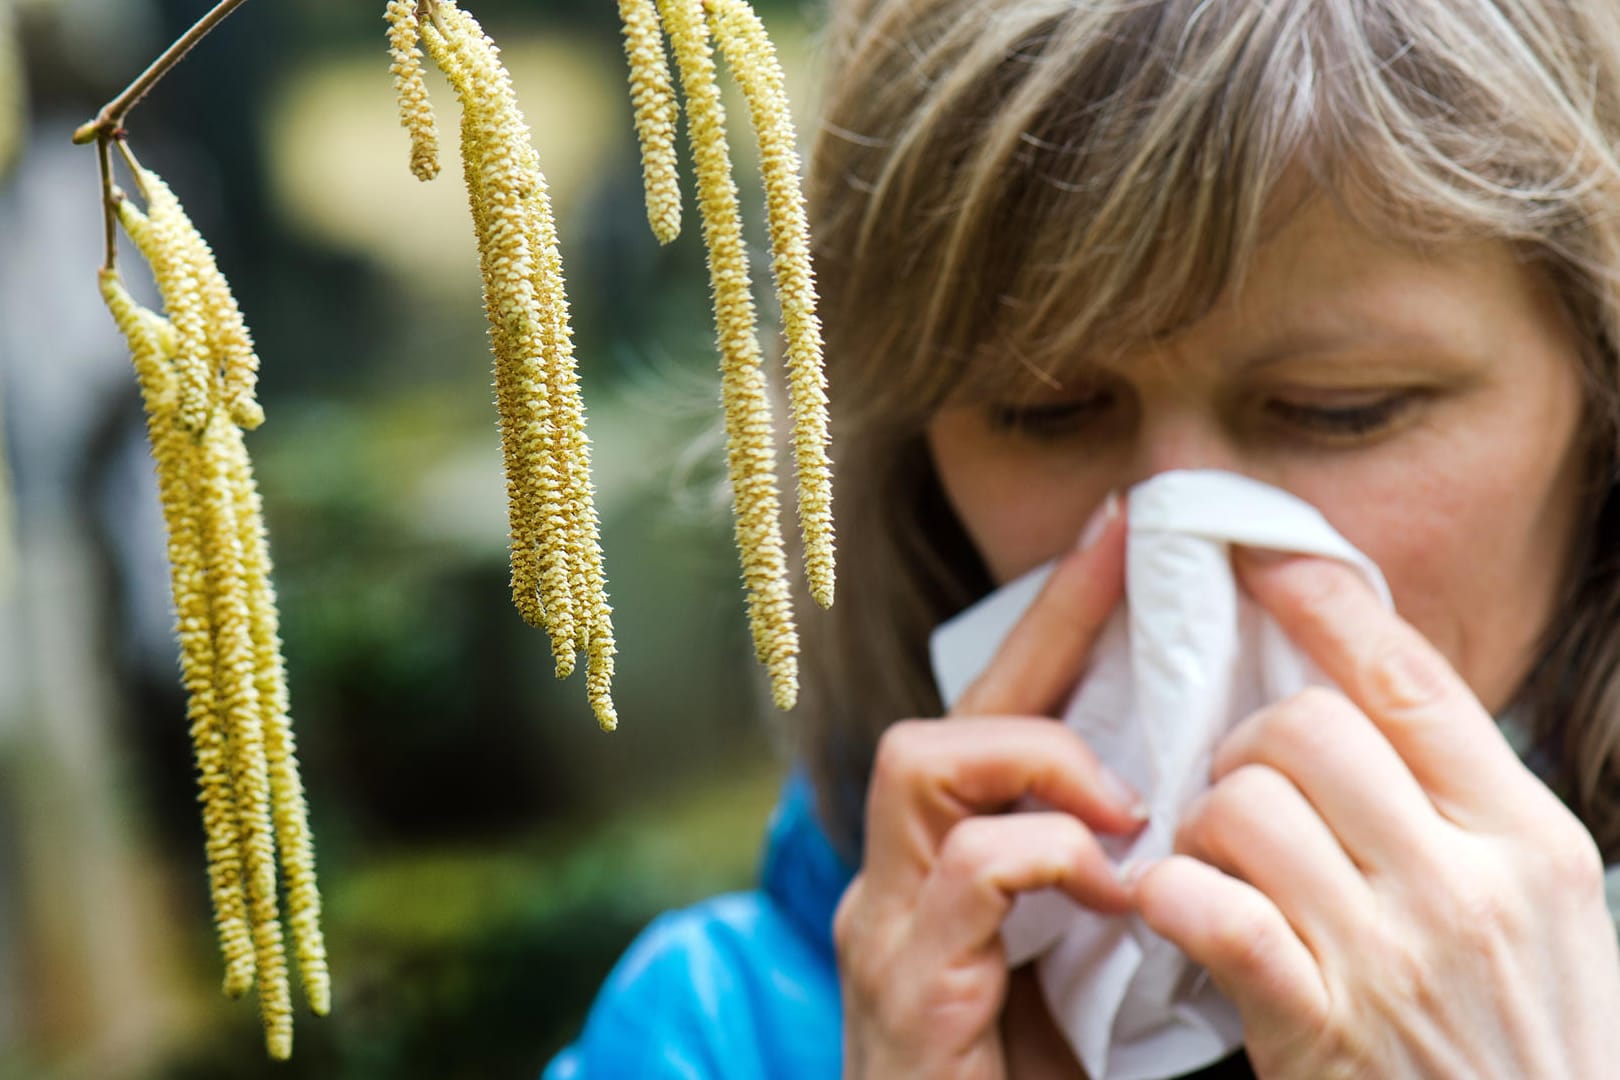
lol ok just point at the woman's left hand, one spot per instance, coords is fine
(1376, 881)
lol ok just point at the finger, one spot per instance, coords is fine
(1345, 768)
(930, 774)
(1040, 661)
(986, 862)
(1230, 928)
(1256, 826)
(1403, 684)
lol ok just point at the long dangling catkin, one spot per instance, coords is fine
(153, 343)
(235, 677)
(653, 97)
(557, 576)
(571, 451)
(232, 668)
(293, 840)
(525, 493)
(752, 60)
(748, 423)
(500, 177)
(558, 580)
(415, 114)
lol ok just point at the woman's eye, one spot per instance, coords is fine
(1046, 421)
(1355, 417)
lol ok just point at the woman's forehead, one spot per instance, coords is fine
(1322, 285)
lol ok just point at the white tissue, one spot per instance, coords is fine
(1183, 661)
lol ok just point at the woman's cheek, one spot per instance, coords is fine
(1020, 508)
(1477, 582)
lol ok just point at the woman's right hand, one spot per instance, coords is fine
(918, 932)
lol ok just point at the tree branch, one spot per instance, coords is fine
(109, 204)
(110, 119)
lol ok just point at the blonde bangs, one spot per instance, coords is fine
(1031, 187)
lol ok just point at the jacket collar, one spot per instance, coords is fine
(802, 874)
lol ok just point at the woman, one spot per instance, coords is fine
(1367, 251)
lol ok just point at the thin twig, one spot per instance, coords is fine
(109, 205)
(111, 116)
(135, 170)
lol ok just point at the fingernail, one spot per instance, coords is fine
(1130, 871)
(1262, 556)
(1100, 519)
(1121, 794)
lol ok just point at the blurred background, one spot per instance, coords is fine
(485, 853)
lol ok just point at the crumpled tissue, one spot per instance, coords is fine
(1177, 666)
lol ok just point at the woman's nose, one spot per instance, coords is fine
(1182, 436)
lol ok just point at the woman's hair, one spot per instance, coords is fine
(1002, 187)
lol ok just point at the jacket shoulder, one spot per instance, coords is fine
(726, 988)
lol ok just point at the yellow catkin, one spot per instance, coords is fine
(293, 839)
(752, 59)
(236, 683)
(503, 182)
(162, 241)
(656, 113)
(153, 343)
(524, 501)
(749, 435)
(230, 344)
(410, 87)
(572, 450)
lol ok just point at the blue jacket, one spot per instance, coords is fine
(742, 985)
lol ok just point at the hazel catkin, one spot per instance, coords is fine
(558, 581)
(752, 59)
(410, 87)
(653, 96)
(557, 578)
(749, 436)
(153, 344)
(230, 648)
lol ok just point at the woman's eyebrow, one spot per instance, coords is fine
(1362, 335)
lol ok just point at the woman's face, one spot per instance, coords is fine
(1429, 405)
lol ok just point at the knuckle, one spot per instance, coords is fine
(1240, 796)
(1320, 590)
(1309, 723)
(1304, 712)
(1219, 820)
(901, 752)
(1569, 861)
(1245, 940)
(1238, 789)
(1479, 903)
(968, 849)
(1071, 842)
(1305, 726)
(919, 1009)
(847, 920)
(862, 960)
(1406, 676)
